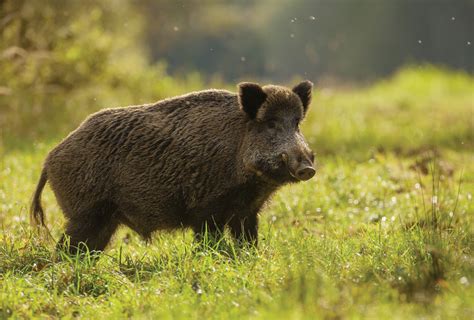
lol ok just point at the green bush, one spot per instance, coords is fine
(61, 60)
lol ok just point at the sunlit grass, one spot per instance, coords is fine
(383, 231)
(420, 107)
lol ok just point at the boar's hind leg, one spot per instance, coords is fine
(93, 227)
(245, 228)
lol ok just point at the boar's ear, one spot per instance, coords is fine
(251, 97)
(303, 90)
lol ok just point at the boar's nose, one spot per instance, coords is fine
(300, 168)
(305, 173)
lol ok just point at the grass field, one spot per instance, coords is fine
(385, 230)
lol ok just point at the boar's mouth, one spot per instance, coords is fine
(265, 176)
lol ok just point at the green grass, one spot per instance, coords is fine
(385, 230)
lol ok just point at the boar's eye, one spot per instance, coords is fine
(296, 123)
(271, 124)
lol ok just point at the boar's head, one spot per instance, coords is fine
(273, 146)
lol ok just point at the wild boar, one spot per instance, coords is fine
(205, 160)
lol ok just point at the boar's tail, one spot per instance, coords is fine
(36, 212)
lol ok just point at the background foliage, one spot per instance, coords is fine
(277, 39)
(60, 60)
(63, 59)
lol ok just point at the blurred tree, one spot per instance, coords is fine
(277, 39)
(364, 39)
(60, 60)
(212, 37)
(49, 50)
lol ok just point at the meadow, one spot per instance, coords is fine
(384, 230)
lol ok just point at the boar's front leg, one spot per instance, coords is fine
(244, 228)
(209, 229)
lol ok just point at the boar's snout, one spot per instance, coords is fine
(305, 173)
(300, 167)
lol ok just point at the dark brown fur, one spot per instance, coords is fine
(205, 158)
